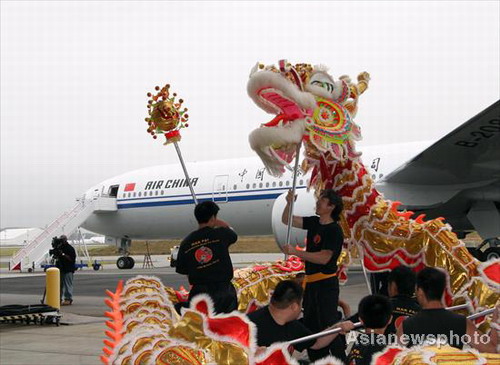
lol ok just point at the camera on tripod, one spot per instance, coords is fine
(56, 251)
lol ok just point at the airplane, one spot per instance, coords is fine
(457, 177)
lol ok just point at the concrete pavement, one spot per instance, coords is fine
(80, 340)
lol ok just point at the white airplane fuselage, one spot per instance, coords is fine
(155, 202)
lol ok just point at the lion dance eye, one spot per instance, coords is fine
(326, 85)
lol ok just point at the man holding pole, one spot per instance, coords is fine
(436, 324)
(324, 245)
(278, 321)
(204, 258)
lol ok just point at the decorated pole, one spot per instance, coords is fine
(294, 187)
(178, 149)
(167, 118)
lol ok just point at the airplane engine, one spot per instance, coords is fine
(304, 206)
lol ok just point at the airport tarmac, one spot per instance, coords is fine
(79, 339)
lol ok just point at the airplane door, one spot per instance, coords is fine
(219, 192)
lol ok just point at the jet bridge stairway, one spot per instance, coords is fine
(36, 250)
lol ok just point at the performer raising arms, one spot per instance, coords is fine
(204, 258)
(324, 245)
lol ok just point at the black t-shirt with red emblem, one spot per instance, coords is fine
(365, 347)
(323, 237)
(402, 307)
(204, 255)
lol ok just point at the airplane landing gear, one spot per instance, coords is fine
(491, 253)
(125, 262)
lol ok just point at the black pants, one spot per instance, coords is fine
(222, 294)
(321, 300)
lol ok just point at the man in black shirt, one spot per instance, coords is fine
(434, 324)
(401, 288)
(278, 322)
(324, 245)
(375, 314)
(204, 258)
(66, 258)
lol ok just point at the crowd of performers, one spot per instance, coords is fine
(411, 314)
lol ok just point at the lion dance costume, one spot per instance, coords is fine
(313, 109)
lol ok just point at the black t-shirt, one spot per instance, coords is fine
(428, 324)
(402, 308)
(365, 347)
(204, 255)
(323, 237)
(66, 263)
(269, 332)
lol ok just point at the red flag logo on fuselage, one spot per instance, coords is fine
(130, 187)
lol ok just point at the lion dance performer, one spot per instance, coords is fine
(314, 109)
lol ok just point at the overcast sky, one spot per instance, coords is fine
(74, 78)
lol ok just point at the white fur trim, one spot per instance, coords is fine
(283, 346)
(486, 279)
(261, 140)
(268, 79)
(243, 317)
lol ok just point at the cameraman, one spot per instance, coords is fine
(65, 261)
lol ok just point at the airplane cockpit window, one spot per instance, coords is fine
(380, 176)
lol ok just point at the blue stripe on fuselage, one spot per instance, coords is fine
(190, 201)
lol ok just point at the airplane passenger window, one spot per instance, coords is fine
(150, 193)
(281, 183)
(134, 195)
(260, 185)
(267, 185)
(287, 183)
(301, 182)
(235, 187)
(139, 194)
(254, 186)
(162, 192)
(274, 184)
(374, 176)
(248, 186)
(156, 192)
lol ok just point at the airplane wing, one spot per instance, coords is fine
(469, 154)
